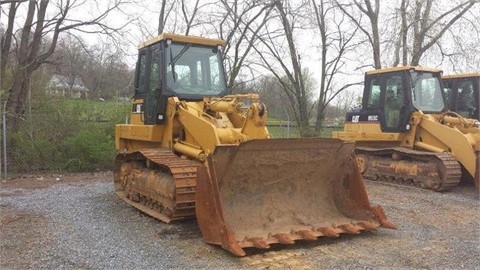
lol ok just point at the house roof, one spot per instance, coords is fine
(65, 82)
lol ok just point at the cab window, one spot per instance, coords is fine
(426, 92)
(373, 99)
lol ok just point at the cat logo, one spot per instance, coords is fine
(355, 118)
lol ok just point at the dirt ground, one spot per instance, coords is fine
(436, 230)
(45, 181)
(22, 232)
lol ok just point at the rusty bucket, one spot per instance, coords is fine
(264, 192)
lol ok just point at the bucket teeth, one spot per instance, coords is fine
(258, 242)
(307, 235)
(329, 231)
(351, 228)
(369, 226)
(378, 211)
(284, 238)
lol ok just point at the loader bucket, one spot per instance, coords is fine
(263, 192)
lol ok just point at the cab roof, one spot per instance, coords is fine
(401, 68)
(460, 76)
(183, 39)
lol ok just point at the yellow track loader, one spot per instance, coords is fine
(192, 151)
(463, 94)
(405, 134)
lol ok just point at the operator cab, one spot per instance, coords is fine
(462, 93)
(392, 94)
(186, 67)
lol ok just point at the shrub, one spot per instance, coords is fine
(64, 135)
(89, 150)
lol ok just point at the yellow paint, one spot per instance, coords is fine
(460, 76)
(183, 39)
(401, 68)
(196, 126)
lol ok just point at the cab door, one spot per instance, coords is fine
(394, 102)
(153, 88)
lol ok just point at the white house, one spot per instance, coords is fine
(64, 86)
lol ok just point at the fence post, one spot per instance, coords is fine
(4, 126)
(1, 136)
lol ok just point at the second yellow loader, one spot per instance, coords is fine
(405, 134)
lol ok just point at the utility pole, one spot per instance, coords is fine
(1, 48)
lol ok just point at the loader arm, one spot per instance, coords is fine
(434, 136)
(194, 120)
(221, 121)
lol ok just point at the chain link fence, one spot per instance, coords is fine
(58, 136)
(17, 154)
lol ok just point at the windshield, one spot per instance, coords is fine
(194, 70)
(426, 92)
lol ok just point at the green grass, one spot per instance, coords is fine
(99, 111)
(284, 131)
(83, 132)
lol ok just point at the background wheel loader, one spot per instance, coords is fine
(462, 92)
(190, 151)
(405, 134)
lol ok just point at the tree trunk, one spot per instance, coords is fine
(320, 17)
(6, 41)
(404, 32)
(376, 43)
(16, 99)
(161, 18)
(320, 118)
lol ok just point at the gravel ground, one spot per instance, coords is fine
(77, 222)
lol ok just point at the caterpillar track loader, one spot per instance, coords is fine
(405, 134)
(192, 151)
(463, 94)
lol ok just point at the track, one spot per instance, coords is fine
(158, 183)
(434, 171)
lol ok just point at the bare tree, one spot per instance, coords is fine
(458, 47)
(422, 24)
(277, 102)
(189, 15)
(161, 17)
(372, 12)
(69, 58)
(345, 101)
(402, 37)
(100, 67)
(6, 40)
(336, 42)
(38, 39)
(428, 29)
(240, 24)
(179, 16)
(292, 81)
